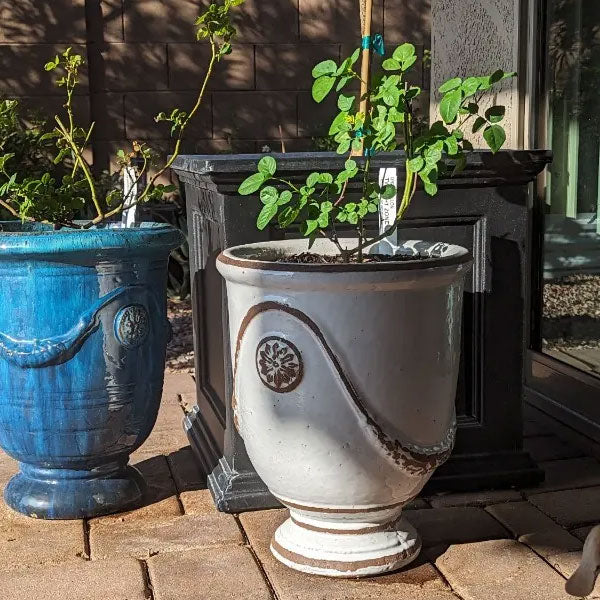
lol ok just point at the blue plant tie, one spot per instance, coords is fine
(375, 43)
(369, 152)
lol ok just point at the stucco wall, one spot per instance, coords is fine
(476, 37)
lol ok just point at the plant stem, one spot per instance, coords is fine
(14, 213)
(410, 187)
(84, 166)
(82, 148)
(144, 195)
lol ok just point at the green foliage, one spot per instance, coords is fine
(65, 186)
(215, 25)
(23, 141)
(390, 122)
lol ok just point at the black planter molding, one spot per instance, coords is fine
(486, 208)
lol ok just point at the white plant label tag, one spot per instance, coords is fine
(388, 209)
(130, 194)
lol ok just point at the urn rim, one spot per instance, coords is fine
(35, 239)
(266, 256)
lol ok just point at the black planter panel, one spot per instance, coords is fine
(485, 208)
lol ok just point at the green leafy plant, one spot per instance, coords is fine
(57, 199)
(22, 135)
(320, 204)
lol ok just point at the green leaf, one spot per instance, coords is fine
(461, 163)
(343, 147)
(327, 67)
(342, 83)
(429, 175)
(287, 216)
(326, 178)
(345, 102)
(450, 104)
(343, 68)
(431, 188)
(433, 156)
(404, 52)
(497, 76)
(470, 85)
(311, 225)
(312, 179)
(350, 165)
(395, 116)
(269, 195)
(323, 219)
(450, 85)
(321, 87)
(416, 164)
(451, 144)
(355, 56)
(251, 184)
(479, 123)
(284, 197)
(495, 137)
(340, 123)
(391, 96)
(389, 191)
(495, 114)
(412, 92)
(484, 83)
(408, 63)
(267, 166)
(4, 159)
(438, 129)
(266, 214)
(391, 64)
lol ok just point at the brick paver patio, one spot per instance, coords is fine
(506, 545)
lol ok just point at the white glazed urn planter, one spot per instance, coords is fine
(344, 393)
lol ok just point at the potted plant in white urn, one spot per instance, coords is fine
(346, 345)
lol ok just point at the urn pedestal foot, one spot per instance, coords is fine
(353, 544)
(75, 494)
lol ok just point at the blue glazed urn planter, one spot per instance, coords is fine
(83, 334)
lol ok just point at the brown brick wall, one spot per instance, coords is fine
(143, 59)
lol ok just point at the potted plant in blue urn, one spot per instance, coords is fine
(83, 330)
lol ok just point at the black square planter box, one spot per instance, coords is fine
(486, 208)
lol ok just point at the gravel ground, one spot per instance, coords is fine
(572, 312)
(180, 352)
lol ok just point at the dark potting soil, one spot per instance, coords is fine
(310, 258)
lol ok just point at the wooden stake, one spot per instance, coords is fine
(366, 16)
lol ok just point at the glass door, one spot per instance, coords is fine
(570, 319)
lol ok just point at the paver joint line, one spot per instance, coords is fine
(86, 540)
(260, 566)
(181, 507)
(445, 580)
(148, 588)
